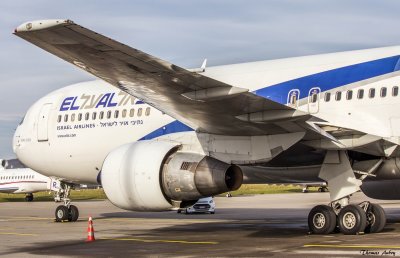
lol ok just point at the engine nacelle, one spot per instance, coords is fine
(150, 175)
(386, 183)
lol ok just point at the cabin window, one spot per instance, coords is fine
(395, 91)
(338, 96)
(383, 92)
(116, 113)
(94, 116)
(87, 116)
(293, 99)
(132, 112)
(360, 94)
(372, 93)
(313, 97)
(139, 112)
(79, 116)
(66, 118)
(59, 119)
(349, 95)
(327, 96)
(72, 117)
(124, 113)
(101, 115)
(147, 113)
(108, 114)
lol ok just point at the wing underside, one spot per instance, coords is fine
(203, 103)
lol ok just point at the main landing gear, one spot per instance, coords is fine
(67, 211)
(351, 219)
(340, 215)
(29, 197)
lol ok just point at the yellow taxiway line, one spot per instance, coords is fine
(17, 234)
(160, 241)
(355, 246)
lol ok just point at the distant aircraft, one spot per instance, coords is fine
(23, 180)
(159, 136)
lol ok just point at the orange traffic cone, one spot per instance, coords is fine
(90, 231)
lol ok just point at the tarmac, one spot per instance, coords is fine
(246, 226)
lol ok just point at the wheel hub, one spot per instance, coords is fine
(319, 220)
(371, 218)
(60, 213)
(349, 220)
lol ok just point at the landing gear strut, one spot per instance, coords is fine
(67, 211)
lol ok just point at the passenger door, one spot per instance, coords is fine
(43, 121)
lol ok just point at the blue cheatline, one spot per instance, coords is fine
(331, 79)
(173, 127)
(325, 81)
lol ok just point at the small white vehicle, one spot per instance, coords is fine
(203, 205)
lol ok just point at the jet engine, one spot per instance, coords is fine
(385, 184)
(151, 175)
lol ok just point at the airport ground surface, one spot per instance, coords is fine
(251, 226)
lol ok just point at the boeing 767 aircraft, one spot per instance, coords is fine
(158, 136)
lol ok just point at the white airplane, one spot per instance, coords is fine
(17, 180)
(22, 180)
(157, 135)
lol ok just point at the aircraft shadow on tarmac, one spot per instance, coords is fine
(237, 238)
(236, 227)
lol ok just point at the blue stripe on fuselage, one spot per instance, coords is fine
(325, 81)
(173, 127)
(331, 79)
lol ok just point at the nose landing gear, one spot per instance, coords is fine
(67, 211)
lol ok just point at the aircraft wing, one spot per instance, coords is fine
(203, 103)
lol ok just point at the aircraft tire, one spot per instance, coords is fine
(322, 220)
(73, 213)
(61, 213)
(376, 217)
(29, 198)
(352, 220)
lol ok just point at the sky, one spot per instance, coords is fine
(184, 33)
